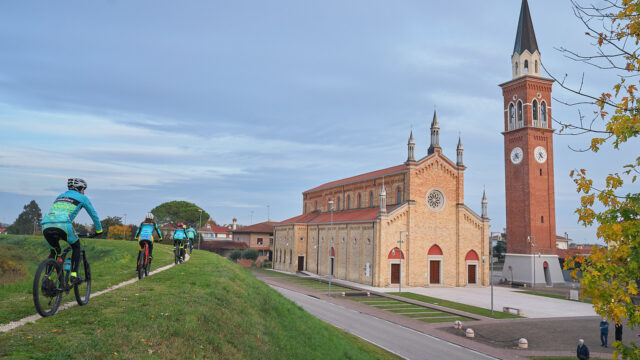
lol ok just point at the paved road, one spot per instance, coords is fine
(397, 339)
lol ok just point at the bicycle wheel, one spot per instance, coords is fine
(82, 290)
(46, 287)
(147, 263)
(176, 255)
(141, 265)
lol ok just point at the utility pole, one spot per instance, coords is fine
(400, 275)
(124, 227)
(330, 269)
(199, 226)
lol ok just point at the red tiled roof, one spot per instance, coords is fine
(572, 251)
(263, 227)
(223, 245)
(217, 229)
(369, 175)
(316, 217)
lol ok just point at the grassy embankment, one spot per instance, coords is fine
(205, 308)
(112, 262)
(458, 306)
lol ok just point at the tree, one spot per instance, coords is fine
(250, 254)
(179, 211)
(28, 222)
(108, 222)
(80, 229)
(610, 275)
(119, 232)
(235, 255)
(499, 249)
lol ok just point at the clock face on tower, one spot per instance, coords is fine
(516, 155)
(540, 154)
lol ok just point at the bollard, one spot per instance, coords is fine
(368, 293)
(470, 333)
(523, 343)
(457, 324)
(343, 293)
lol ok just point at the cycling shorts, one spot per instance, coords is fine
(66, 227)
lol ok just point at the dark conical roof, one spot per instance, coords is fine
(525, 37)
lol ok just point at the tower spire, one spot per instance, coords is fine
(459, 152)
(435, 134)
(383, 199)
(526, 56)
(484, 204)
(410, 148)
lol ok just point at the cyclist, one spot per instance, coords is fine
(57, 224)
(145, 233)
(179, 237)
(191, 235)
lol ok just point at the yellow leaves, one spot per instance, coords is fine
(595, 144)
(614, 181)
(148, 343)
(632, 289)
(56, 331)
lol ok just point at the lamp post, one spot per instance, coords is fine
(199, 226)
(491, 265)
(400, 275)
(532, 241)
(330, 269)
(124, 227)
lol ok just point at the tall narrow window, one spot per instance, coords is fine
(516, 68)
(534, 110)
(290, 256)
(512, 117)
(359, 201)
(399, 196)
(536, 64)
(526, 66)
(316, 204)
(338, 207)
(543, 114)
(348, 202)
(371, 198)
(519, 113)
(542, 219)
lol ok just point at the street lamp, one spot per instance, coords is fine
(491, 264)
(330, 269)
(400, 242)
(532, 241)
(199, 226)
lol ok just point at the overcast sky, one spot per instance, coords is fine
(237, 105)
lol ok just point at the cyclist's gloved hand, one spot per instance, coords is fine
(92, 235)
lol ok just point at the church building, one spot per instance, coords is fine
(407, 224)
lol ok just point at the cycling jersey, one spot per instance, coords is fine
(65, 209)
(145, 231)
(191, 233)
(179, 234)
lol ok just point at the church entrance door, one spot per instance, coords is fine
(300, 263)
(434, 272)
(395, 273)
(471, 274)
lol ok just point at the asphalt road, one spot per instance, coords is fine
(397, 339)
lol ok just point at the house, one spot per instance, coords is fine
(259, 237)
(223, 247)
(210, 231)
(167, 230)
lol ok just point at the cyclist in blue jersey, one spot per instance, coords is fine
(191, 235)
(179, 238)
(57, 224)
(145, 233)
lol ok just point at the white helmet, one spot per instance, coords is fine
(149, 216)
(76, 184)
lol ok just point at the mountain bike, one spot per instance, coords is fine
(177, 249)
(52, 280)
(144, 262)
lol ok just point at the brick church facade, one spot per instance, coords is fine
(407, 223)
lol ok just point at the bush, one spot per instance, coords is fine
(250, 254)
(235, 255)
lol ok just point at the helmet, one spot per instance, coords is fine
(180, 225)
(76, 184)
(149, 216)
(184, 226)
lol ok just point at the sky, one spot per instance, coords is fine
(240, 106)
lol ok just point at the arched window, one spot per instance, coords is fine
(526, 66)
(284, 260)
(290, 256)
(512, 117)
(543, 113)
(399, 195)
(338, 207)
(516, 67)
(534, 110)
(519, 113)
(371, 198)
(536, 65)
(359, 201)
(348, 202)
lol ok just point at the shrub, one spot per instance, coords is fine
(235, 255)
(250, 254)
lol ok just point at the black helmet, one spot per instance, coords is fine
(76, 184)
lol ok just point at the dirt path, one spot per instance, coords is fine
(33, 318)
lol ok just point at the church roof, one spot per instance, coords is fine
(525, 36)
(361, 177)
(263, 227)
(316, 217)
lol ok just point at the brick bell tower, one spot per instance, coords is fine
(528, 152)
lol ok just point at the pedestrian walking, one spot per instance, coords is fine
(604, 332)
(618, 331)
(583, 351)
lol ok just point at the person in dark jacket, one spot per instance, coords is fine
(583, 351)
(604, 332)
(618, 331)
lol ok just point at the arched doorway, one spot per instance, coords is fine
(395, 256)
(332, 260)
(434, 259)
(547, 275)
(472, 267)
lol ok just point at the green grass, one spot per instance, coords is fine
(409, 310)
(207, 307)
(318, 285)
(270, 273)
(457, 306)
(112, 261)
